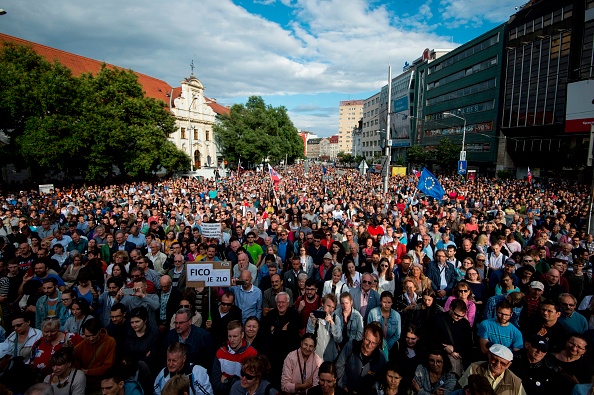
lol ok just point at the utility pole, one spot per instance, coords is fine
(388, 133)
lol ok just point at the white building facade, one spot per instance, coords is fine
(194, 119)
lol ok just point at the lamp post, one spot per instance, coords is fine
(463, 152)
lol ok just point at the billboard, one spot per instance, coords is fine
(579, 113)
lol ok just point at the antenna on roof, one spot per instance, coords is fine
(192, 66)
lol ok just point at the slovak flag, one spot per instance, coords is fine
(529, 176)
(274, 176)
(239, 166)
(416, 173)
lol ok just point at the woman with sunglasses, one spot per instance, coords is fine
(253, 378)
(434, 375)
(385, 276)
(478, 288)
(65, 379)
(462, 291)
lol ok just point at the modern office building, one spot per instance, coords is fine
(349, 114)
(464, 82)
(370, 146)
(547, 101)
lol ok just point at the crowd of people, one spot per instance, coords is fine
(336, 287)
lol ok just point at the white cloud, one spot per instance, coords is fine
(328, 46)
(473, 12)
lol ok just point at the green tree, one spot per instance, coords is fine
(447, 154)
(87, 126)
(418, 155)
(256, 131)
(345, 158)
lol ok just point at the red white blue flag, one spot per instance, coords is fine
(529, 176)
(274, 176)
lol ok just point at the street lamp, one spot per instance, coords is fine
(463, 133)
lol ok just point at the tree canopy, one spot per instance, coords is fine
(91, 126)
(256, 131)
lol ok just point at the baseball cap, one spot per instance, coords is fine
(539, 342)
(327, 256)
(537, 285)
(501, 352)
(510, 262)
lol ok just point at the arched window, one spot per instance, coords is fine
(196, 159)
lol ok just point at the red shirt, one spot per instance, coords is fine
(307, 310)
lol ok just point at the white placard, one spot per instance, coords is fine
(211, 230)
(211, 277)
(45, 188)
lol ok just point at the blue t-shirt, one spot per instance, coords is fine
(508, 336)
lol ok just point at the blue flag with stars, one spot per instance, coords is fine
(429, 185)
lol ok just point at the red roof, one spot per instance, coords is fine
(153, 87)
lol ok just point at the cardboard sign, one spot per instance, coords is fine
(208, 274)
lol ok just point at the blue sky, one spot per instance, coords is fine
(306, 55)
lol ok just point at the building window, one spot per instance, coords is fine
(196, 134)
(183, 133)
(207, 132)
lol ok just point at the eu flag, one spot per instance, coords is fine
(324, 171)
(429, 185)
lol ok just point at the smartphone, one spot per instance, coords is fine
(321, 314)
(128, 291)
(240, 282)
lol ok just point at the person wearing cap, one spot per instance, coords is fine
(324, 272)
(571, 320)
(509, 267)
(538, 374)
(496, 371)
(534, 298)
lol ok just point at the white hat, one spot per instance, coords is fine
(501, 352)
(5, 349)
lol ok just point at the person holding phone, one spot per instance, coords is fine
(322, 323)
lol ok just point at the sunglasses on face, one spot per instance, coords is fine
(247, 376)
